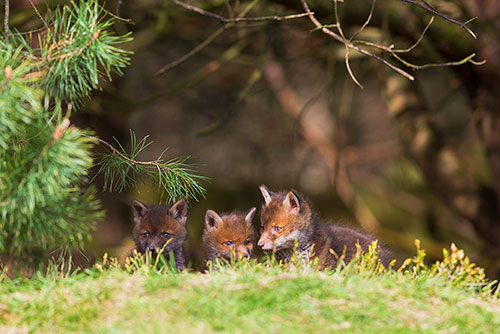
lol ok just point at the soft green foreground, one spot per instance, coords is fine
(250, 299)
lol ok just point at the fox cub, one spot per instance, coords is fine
(286, 218)
(228, 234)
(160, 227)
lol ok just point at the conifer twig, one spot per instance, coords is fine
(175, 178)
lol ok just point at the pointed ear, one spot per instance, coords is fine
(266, 193)
(212, 220)
(292, 202)
(179, 210)
(139, 210)
(249, 216)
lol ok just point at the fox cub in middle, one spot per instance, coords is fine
(287, 219)
(228, 235)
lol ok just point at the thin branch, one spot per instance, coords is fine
(431, 9)
(6, 18)
(341, 32)
(455, 63)
(203, 44)
(130, 21)
(339, 28)
(39, 15)
(418, 40)
(391, 48)
(225, 20)
(34, 31)
(349, 68)
(368, 19)
(349, 44)
(191, 53)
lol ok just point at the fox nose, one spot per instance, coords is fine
(152, 249)
(260, 244)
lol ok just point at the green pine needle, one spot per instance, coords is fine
(76, 53)
(175, 177)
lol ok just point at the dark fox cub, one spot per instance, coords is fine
(160, 227)
(286, 218)
(228, 234)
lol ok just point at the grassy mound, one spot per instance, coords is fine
(254, 298)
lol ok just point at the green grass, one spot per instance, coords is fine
(248, 298)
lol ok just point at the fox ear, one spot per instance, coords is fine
(249, 216)
(266, 193)
(179, 210)
(212, 220)
(292, 202)
(139, 210)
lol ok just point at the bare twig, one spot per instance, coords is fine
(337, 24)
(431, 9)
(191, 53)
(6, 18)
(117, 16)
(341, 32)
(348, 66)
(203, 44)
(418, 40)
(454, 63)
(391, 48)
(368, 19)
(39, 15)
(225, 20)
(34, 31)
(349, 44)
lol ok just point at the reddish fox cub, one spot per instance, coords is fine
(160, 227)
(286, 218)
(228, 234)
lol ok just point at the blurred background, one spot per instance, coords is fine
(272, 103)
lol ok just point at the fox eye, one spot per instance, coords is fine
(247, 242)
(166, 235)
(278, 229)
(146, 234)
(228, 243)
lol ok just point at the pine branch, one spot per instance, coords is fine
(76, 52)
(175, 178)
(45, 201)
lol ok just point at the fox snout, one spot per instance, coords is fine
(154, 248)
(265, 242)
(242, 252)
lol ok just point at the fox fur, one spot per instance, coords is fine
(161, 227)
(287, 219)
(228, 235)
